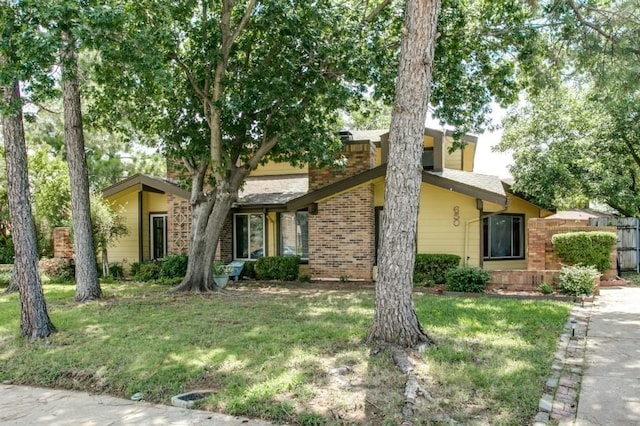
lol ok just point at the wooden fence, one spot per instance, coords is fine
(628, 240)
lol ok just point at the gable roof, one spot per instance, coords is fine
(147, 183)
(484, 187)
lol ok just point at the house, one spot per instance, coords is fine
(331, 218)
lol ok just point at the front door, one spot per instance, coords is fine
(158, 236)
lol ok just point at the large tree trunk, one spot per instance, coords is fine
(87, 284)
(208, 219)
(34, 319)
(395, 321)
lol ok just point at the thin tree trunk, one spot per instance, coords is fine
(34, 319)
(395, 321)
(87, 284)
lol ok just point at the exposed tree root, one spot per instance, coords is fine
(412, 388)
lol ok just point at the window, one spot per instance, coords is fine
(158, 234)
(503, 237)
(294, 234)
(248, 236)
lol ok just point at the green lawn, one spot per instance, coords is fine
(269, 352)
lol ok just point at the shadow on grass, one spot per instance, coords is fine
(274, 355)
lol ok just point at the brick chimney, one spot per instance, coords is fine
(360, 156)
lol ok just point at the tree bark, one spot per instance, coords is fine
(208, 218)
(395, 321)
(34, 319)
(87, 284)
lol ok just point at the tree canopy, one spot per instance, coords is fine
(579, 140)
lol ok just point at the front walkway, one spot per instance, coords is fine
(610, 391)
(25, 405)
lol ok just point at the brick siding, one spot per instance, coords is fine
(342, 236)
(342, 233)
(62, 244)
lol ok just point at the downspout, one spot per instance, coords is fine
(140, 225)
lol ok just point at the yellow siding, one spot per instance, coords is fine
(125, 249)
(270, 233)
(437, 230)
(505, 264)
(468, 156)
(274, 169)
(428, 142)
(378, 194)
(452, 160)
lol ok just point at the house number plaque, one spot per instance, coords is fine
(456, 216)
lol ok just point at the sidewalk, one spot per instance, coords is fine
(610, 389)
(24, 405)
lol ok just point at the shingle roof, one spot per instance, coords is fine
(272, 190)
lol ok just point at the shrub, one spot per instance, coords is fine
(116, 271)
(545, 288)
(284, 268)
(467, 279)
(6, 249)
(146, 271)
(578, 279)
(57, 269)
(585, 248)
(174, 266)
(304, 278)
(432, 269)
(249, 270)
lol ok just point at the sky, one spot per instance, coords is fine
(486, 161)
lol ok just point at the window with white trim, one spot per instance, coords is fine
(503, 237)
(248, 236)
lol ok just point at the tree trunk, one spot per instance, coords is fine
(208, 218)
(395, 321)
(34, 319)
(87, 284)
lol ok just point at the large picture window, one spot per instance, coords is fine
(248, 236)
(503, 237)
(294, 234)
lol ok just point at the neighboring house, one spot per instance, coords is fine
(331, 218)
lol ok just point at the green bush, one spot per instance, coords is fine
(585, 248)
(545, 288)
(467, 279)
(6, 249)
(57, 269)
(249, 270)
(284, 268)
(146, 271)
(578, 279)
(174, 266)
(116, 271)
(432, 269)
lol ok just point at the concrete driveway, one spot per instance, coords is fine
(610, 390)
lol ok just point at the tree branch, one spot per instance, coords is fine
(194, 84)
(581, 19)
(375, 12)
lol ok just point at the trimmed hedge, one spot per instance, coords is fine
(432, 269)
(468, 279)
(284, 268)
(585, 248)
